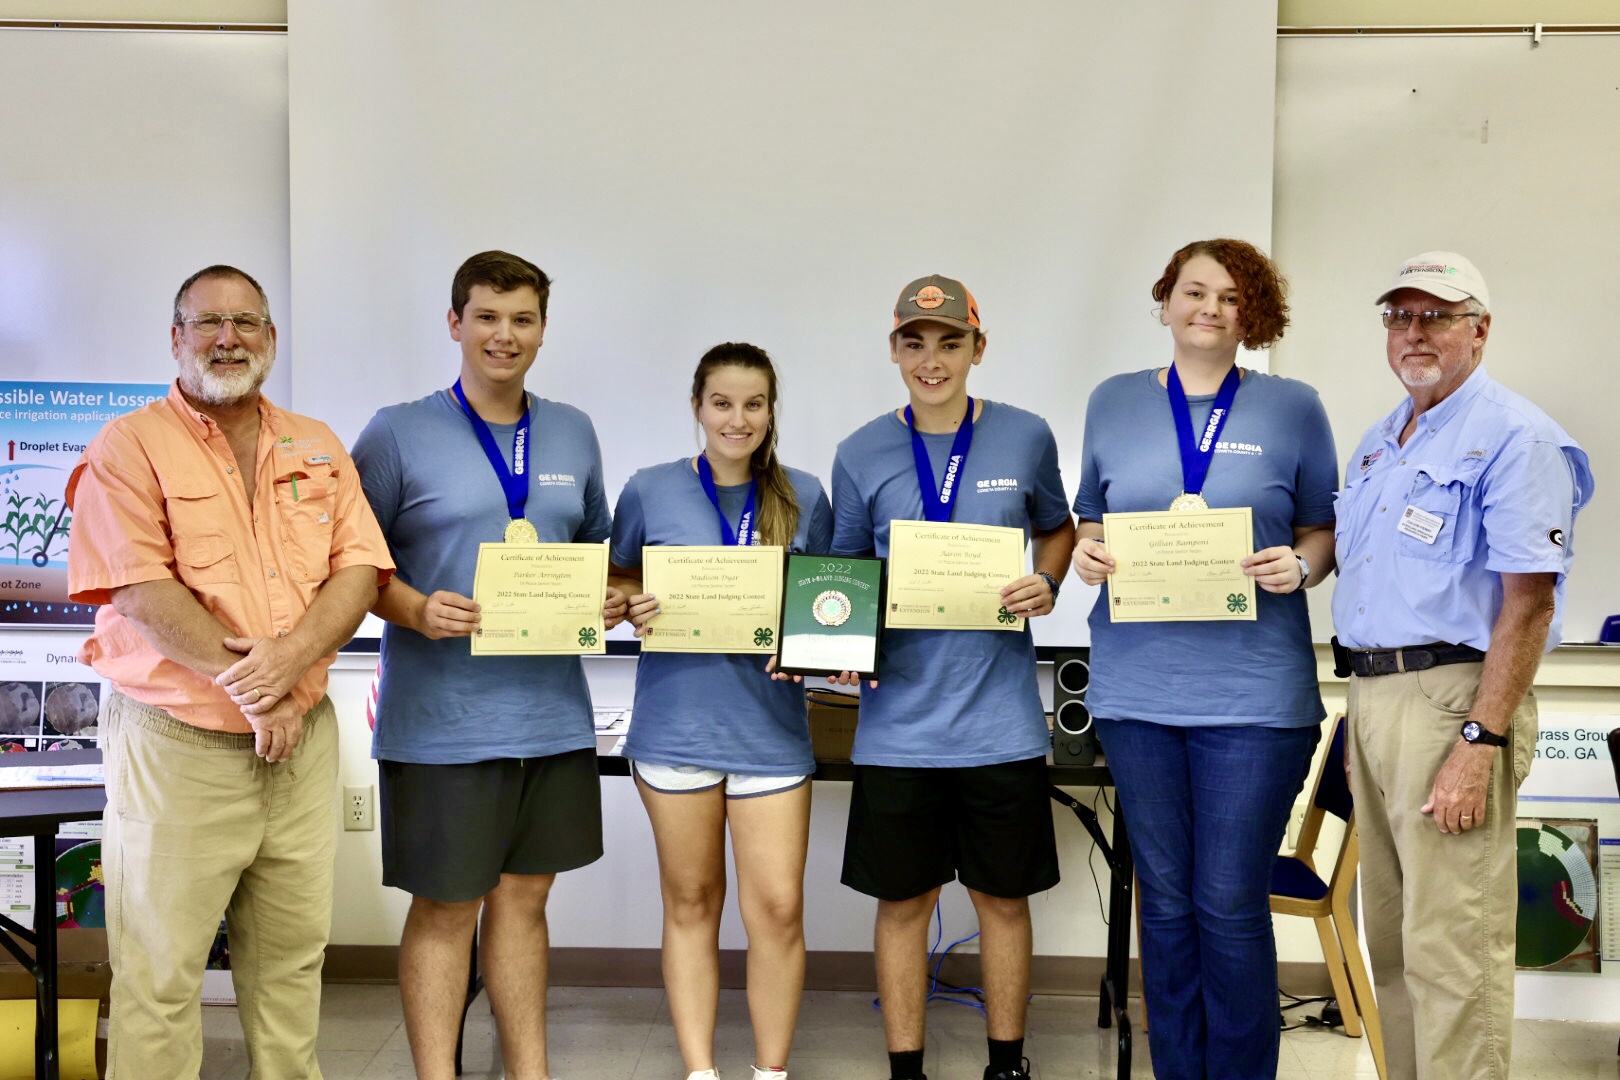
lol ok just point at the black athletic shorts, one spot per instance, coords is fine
(450, 831)
(913, 829)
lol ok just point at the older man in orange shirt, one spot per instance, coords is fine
(232, 552)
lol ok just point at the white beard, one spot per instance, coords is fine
(1422, 374)
(204, 382)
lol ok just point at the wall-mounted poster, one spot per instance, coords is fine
(44, 427)
(1558, 894)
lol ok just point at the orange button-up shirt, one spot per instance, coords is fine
(156, 495)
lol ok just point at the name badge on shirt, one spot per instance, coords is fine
(320, 459)
(1421, 525)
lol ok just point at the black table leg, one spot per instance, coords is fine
(475, 983)
(46, 1065)
(1114, 993)
(1121, 886)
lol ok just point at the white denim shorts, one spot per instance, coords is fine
(676, 779)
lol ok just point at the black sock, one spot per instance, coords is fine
(1006, 1055)
(906, 1065)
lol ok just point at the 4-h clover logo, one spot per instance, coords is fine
(1237, 602)
(587, 636)
(1006, 617)
(763, 636)
(523, 633)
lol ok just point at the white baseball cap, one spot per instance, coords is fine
(1440, 273)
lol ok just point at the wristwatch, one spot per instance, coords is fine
(1050, 581)
(1304, 569)
(1472, 732)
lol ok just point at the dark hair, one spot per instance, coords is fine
(218, 270)
(1262, 308)
(501, 271)
(778, 503)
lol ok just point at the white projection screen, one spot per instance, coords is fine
(723, 170)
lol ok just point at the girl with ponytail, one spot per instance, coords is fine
(715, 741)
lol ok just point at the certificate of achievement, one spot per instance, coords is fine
(713, 599)
(831, 614)
(948, 576)
(540, 599)
(1180, 566)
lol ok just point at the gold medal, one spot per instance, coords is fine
(1185, 501)
(519, 531)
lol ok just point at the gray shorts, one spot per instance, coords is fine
(450, 831)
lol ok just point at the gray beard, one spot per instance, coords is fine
(199, 379)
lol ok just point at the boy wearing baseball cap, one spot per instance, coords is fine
(950, 752)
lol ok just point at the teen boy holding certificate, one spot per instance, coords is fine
(487, 764)
(950, 752)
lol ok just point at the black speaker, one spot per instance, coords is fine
(1074, 740)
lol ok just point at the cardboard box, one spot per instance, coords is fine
(832, 724)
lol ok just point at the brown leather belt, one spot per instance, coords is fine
(1366, 663)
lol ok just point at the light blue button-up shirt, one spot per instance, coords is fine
(1505, 482)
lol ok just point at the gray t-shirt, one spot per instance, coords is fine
(717, 710)
(949, 698)
(437, 498)
(1275, 455)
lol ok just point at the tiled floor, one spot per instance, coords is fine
(602, 1034)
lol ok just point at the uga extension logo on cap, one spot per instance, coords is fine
(929, 297)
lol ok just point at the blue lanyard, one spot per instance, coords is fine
(744, 533)
(1196, 456)
(514, 481)
(939, 502)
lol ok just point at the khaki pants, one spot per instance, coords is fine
(197, 826)
(1441, 909)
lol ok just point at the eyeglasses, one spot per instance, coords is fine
(1428, 320)
(208, 323)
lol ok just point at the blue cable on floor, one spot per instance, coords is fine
(944, 991)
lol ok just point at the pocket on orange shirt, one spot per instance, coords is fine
(307, 502)
(205, 560)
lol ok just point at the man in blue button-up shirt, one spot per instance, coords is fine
(1455, 532)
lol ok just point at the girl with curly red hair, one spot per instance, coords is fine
(1209, 726)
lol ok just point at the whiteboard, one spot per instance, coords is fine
(1390, 146)
(721, 170)
(129, 161)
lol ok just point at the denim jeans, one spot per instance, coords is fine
(1206, 809)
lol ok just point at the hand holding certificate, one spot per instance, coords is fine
(713, 599)
(540, 599)
(948, 576)
(1180, 566)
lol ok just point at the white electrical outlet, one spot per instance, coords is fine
(357, 816)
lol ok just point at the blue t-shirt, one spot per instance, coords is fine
(437, 498)
(717, 710)
(1504, 480)
(1275, 455)
(949, 698)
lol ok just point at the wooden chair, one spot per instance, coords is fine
(1614, 759)
(1297, 888)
